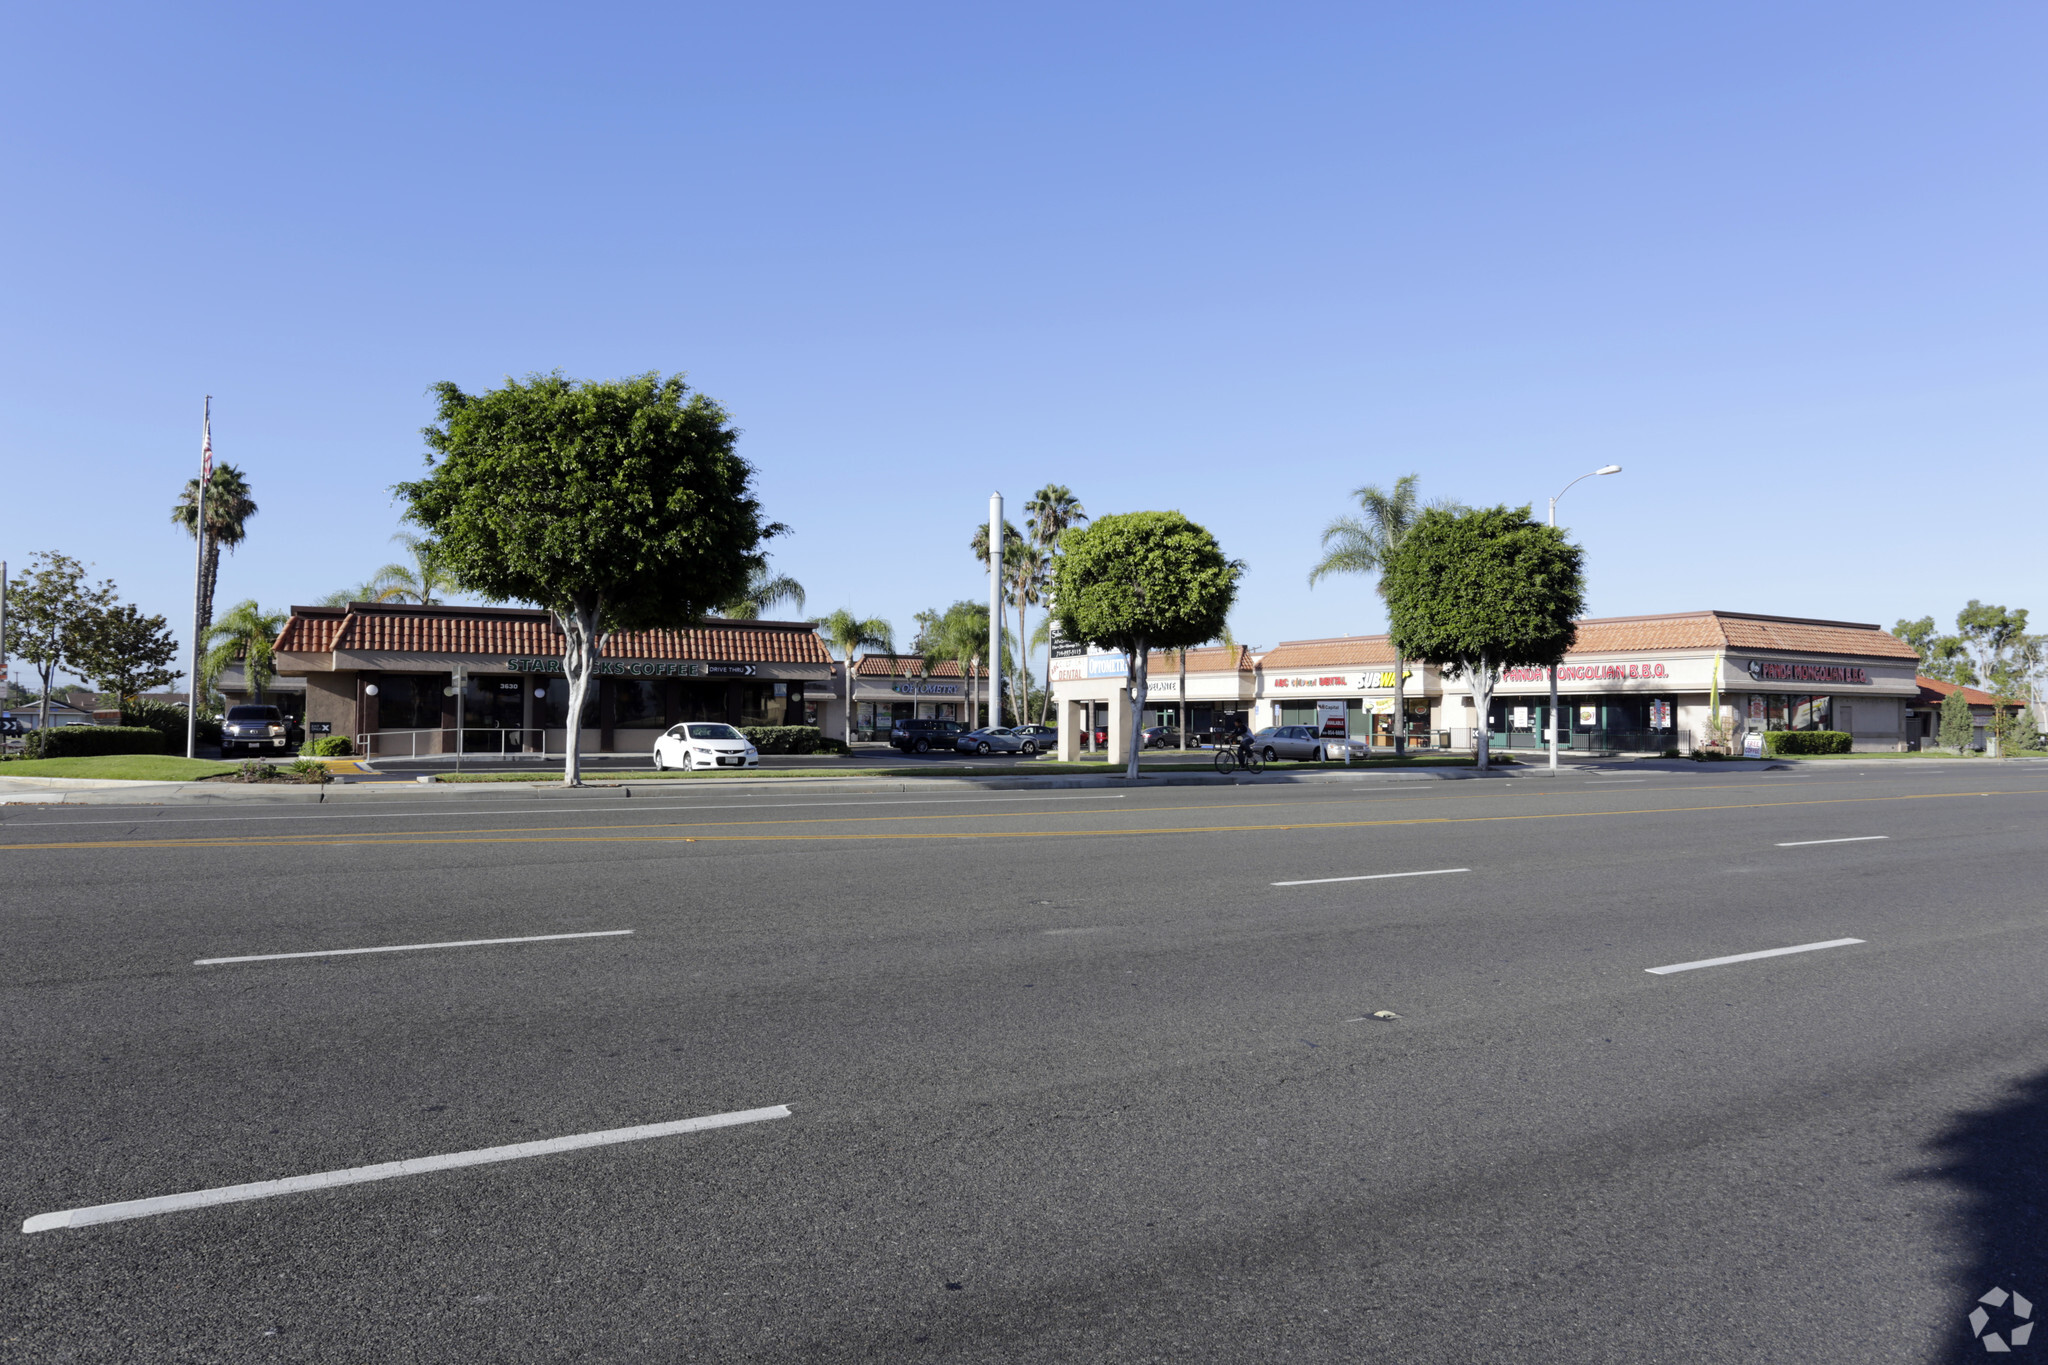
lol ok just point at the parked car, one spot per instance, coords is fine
(250, 729)
(1162, 737)
(1288, 741)
(1046, 737)
(923, 736)
(996, 739)
(704, 744)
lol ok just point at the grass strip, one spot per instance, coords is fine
(119, 767)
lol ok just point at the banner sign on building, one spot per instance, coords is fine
(1352, 682)
(639, 668)
(1760, 671)
(1585, 673)
(1106, 666)
(926, 689)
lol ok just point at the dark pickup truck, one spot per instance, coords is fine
(923, 736)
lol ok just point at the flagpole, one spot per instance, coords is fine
(199, 576)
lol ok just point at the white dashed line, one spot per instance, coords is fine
(1857, 839)
(409, 947)
(356, 1175)
(1375, 877)
(1749, 957)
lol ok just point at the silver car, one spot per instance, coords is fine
(997, 739)
(1287, 741)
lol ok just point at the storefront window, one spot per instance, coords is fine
(763, 703)
(1778, 711)
(493, 703)
(636, 703)
(409, 701)
(552, 711)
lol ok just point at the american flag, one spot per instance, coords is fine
(206, 444)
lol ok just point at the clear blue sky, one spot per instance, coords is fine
(1784, 262)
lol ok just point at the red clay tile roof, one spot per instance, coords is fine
(1338, 652)
(517, 631)
(906, 666)
(1933, 691)
(1205, 659)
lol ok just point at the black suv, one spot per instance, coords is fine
(254, 730)
(923, 736)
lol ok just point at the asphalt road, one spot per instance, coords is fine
(1068, 1076)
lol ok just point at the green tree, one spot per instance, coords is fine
(1138, 582)
(957, 635)
(53, 618)
(1478, 590)
(764, 591)
(1360, 545)
(1957, 730)
(129, 653)
(1945, 657)
(1997, 638)
(248, 633)
(615, 504)
(1049, 514)
(228, 509)
(850, 634)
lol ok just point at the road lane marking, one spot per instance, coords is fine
(637, 810)
(1375, 876)
(388, 1170)
(1749, 957)
(1856, 839)
(409, 947)
(371, 839)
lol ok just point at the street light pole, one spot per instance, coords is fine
(995, 609)
(1551, 715)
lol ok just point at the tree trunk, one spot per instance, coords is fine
(43, 725)
(208, 577)
(1400, 710)
(1183, 701)
(1135, 670)
(1023, 663)
(1481, 678)
(579, 666)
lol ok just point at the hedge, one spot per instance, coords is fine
(792, 739)
(1805, 742)
(329, 746)
(167, 718)
(87, 741)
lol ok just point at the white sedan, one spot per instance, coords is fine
(704, 744)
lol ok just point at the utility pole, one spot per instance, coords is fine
(995, 609)
(1552, 714)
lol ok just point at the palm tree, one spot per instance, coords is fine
(847, 633)
(419, 581)
(1051, 512)
(1361, 545)
(959, 635)
(247, 632)
(765, 589)
(228, 509)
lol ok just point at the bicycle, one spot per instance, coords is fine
(1240, 755)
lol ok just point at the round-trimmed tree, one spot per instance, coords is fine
(1478, 590)
(1138, 582)
(616, 504)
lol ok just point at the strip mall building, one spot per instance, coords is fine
(1629, 683)
(385, 675)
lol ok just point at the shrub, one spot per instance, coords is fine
(255, 770)
(310, 770)
(1958, 730)
(86, 741)
(167, 718)
(787, 739)
(330, 746)
(1778, 742)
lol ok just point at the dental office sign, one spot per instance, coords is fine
(635, 668)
